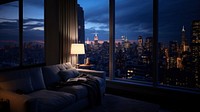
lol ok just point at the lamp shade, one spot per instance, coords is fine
(77, 49)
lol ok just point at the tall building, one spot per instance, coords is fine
(81, 30)
(184, 45)
(123, 41)
(149, 44)
(96, 38)
(173, 54)
(195, 49)
(96, 43)
(140, 46)
(81, 24)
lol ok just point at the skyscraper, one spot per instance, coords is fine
(81, 30)
(173, 54)
(81, 24)
(195, 49)
(96, 43)
(184, 45)
(140, 46)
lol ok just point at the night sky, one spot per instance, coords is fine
(33, 22)
(133, 18)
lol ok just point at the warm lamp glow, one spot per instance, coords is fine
(77, 49)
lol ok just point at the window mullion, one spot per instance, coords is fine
(111, 38)
(155, 42)
(20, 32)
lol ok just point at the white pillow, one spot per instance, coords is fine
(68, 65)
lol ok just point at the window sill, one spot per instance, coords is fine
(138, 86)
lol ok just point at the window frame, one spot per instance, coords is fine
(155, 81)
(21, 50)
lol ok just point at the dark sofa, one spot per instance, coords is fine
(38, 90)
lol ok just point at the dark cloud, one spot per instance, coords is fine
(135, 17)
(30, 24)
(127, 16)
(174, 15)
(98, 15)
(10, 31)
(102, 34)
(13, 4)
(32, 19)
(8, 25)
(35, 3)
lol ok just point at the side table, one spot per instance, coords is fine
(87, 66)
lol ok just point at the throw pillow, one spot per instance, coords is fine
(69, 73)
(68, 65)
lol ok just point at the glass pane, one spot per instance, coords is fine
(33, 32)
(9, 35)
(179, 43)
(95, 32)
(134, 38)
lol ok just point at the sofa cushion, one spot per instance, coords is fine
(79, 91)
(68, 65)
(18, 85)
(12, 75)
(61, 66)
(50, 101)
(37, 79)
(68, 73)
(50, 74)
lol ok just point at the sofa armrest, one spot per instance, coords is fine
(101, 74)
(17, 101)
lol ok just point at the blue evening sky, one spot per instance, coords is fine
(33, 22)
(133, 18)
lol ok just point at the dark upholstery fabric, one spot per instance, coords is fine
(12, 75)
(32, 78)
(50, 101)
(37, 78)
(61, 66)
(17, 85)
(68, 65)
(69, 73)
(50, 74)
(92, 86)
(79, 91)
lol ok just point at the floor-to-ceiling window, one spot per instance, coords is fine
(9, 34)
(175, 60)
(179, 43)
(93, 32)
(33, 32)
(134, 39)
(21, 33)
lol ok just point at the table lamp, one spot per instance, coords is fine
(77, 49)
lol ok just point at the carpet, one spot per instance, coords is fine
(113, 103)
